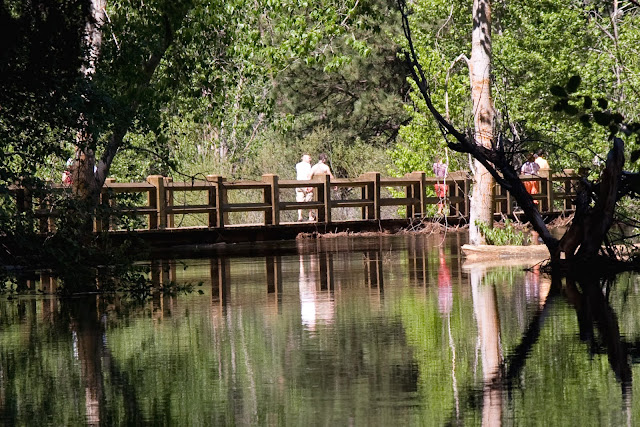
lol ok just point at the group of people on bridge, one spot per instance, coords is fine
(305, 172)
(535, 163)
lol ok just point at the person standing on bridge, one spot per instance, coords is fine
(440, 170)
(303, 173)
(320, 168)
(531, 168)
(541, 161)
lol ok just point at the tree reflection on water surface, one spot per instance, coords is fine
(376, 331)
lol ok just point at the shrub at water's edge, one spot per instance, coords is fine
(501, 236)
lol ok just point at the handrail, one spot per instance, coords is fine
(275, 196)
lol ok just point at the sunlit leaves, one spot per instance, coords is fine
(573, 104)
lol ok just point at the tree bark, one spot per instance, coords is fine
(481, 208)
(90, 174)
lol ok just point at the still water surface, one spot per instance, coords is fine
(392, 330)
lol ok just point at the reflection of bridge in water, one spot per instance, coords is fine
(312, 266)
(315, 257)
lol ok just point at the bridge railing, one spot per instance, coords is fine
(272, 196)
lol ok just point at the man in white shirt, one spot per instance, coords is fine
(320, 168)
(303, 173)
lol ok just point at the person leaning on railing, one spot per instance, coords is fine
(530, 167)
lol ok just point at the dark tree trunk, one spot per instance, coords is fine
(590, 225)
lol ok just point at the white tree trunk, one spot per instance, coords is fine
(481, 209)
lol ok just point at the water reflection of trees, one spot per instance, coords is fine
(323, 351)
(503, 373)
(114, 373)
(598, 328)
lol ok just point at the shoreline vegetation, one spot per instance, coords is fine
(438, 226)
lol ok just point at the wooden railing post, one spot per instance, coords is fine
(102, 222)
(408, 193)
(324, 196)
(217, 199)
(372, 192)
(456, 192)
(45, 221)
(550, 192)
(418, 192)
(160, 202)
(509, 203)
(212, 200)
(24, 204)
(171, 222)
(567, 189)
(496, 190)
(545, 175)
(272, 196)
(467, 193)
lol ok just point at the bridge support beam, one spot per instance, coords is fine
(372, 192)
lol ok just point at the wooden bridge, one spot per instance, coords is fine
(216, 209)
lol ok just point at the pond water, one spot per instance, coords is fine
(385, 330)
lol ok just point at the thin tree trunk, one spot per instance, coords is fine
(481, 209)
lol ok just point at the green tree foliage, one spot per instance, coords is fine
(287, 78)
(39, 62)
(169, 78)
(442, 33)
(357, 91)
(535, 45)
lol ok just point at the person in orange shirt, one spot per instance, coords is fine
(531, 168)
